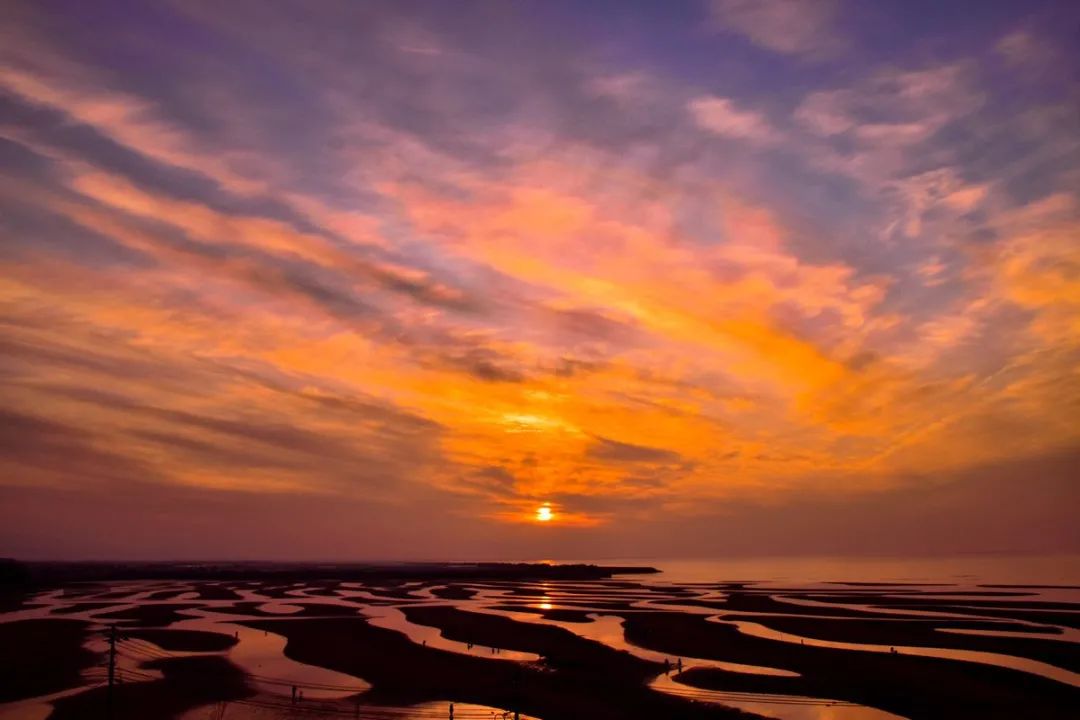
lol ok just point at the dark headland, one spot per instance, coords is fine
(43, 573)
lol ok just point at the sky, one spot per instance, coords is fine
(380, 280)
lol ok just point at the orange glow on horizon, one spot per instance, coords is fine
(546, 338)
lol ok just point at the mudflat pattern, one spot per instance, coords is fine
(622, 647)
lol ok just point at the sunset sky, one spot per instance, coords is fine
(356, 280)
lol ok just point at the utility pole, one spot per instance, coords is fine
(112, 667)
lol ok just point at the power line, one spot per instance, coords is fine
(704, 694)
(149, 647)
(368, 711)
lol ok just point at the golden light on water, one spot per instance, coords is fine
(544, 514)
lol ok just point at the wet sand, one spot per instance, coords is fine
(150, 615)
(173, 594)
(743, 602)
(12, 600)
(41, 656)
(307, 609)
(188, 683)
(918, 600)
(406, 673)
(580, 616)
(79, 590)
(924, 632)
(1065, 619)
(559, 648)
(83, 607)
(1034, 587)
(1051, 613)
(453, 592)
(396, 593)
(185, 640)
(907, 685)
(575, 630)
(210, 591)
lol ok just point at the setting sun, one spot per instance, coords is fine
(761, 312)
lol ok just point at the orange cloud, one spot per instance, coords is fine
(579, 326)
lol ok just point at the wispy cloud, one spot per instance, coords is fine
(721, 116)
(784, 26)
(496, 269)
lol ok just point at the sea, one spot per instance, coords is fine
(961, 570)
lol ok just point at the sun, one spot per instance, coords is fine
(544, 514)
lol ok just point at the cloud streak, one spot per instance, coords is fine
(489, 272)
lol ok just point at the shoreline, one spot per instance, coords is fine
(41, 574)
(575, 665)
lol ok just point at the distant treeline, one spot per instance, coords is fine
(13, 572)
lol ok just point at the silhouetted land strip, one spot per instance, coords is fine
(844, 625)
(1049, 617)
(760, 603)
(917, 687)
(65, 572)
(961, 595)
(10, 600)
(559, 614)
(189, 683)
(597, 597)
(82, 607)
(923, 632)
(41, 656)
(307, 609)
(613, 605)
(922, 599)
(884, 584)
(83, 590)
(214, 591)
(587, 680)
(1036, 587)
(150, 615)
(1048, 612)
(397, 593)
(185, 640)
(171, 594)
(764, 604)
(453, 592)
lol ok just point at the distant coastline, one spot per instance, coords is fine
(16, 572)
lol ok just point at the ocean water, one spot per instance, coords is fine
(965, 570)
